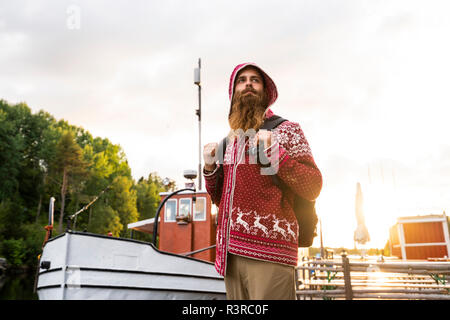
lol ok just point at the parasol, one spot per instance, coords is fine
(361, 234)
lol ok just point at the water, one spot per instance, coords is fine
(17, 286)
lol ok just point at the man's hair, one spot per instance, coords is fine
(246, 68)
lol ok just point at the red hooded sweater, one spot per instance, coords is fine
(254, 220)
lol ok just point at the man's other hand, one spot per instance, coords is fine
(209, 156)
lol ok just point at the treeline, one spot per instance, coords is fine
(41, 158)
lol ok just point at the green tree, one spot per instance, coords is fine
(69, 166)
(148, 194)
(40, 158)
(148, 198)
(14, 251)
(105, 219)
(123, 200)
(11, 147)
(107, 165)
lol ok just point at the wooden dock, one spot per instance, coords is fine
(342, 279)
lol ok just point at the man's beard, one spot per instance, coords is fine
(247, 111)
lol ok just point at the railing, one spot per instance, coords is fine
(342, 279)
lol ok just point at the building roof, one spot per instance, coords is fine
(184, 192)
(423, 218)
(143, 225)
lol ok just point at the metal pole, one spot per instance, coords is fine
(199, 250)
(322, 251)
(51, 214)
(199, 130)
(70, 218)
(347, 278)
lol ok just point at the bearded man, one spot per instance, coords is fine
(257, 232)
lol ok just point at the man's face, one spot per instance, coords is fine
(249, 82)
(249, 100)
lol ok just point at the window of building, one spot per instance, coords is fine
(170, 210)
(200, 209)
(185, 208)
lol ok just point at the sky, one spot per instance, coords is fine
(366, 80)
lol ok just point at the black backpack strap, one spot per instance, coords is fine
(221, 150)
(272, 122)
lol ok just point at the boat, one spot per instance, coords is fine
(85, 266)
(81, 265)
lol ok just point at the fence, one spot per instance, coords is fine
(342, 279)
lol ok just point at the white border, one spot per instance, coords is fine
(190, 207)
(421, 219)
(165, 210)
(401, 237)
(422, 244)
(142, 222)
(446, 235)
(204, 210)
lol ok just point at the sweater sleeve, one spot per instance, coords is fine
(296, 166)
(214, 183)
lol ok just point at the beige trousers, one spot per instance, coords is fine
(250, 279)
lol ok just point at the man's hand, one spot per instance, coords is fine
(209, 156)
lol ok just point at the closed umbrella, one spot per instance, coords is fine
(361, 234)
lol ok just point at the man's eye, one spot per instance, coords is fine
(256, 80)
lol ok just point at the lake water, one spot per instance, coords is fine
(17, 287)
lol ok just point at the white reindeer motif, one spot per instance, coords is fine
(258, 225)
(242, 222)
(289, 230)
(231, 224)
(277, 228)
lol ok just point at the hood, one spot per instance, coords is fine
(270, 87)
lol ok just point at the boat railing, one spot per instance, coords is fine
(378, 280)
(198, 251)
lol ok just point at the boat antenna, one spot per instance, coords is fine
(198, 112)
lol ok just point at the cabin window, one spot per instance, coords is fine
(200, 209)
(185, 208)
(170, 210)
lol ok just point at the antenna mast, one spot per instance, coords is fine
(198, 112)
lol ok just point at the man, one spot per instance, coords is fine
(257, 232)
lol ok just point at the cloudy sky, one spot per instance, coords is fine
(368, 81)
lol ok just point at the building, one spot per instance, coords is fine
(420, 237)
(185, 225)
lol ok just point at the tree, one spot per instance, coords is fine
(69, 165)
(40, 158)
(105, 219)
(123, 200)
(148, 197)
(11, 147)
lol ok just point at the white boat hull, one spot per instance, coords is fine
(88, 266)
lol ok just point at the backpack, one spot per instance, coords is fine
(304, 210)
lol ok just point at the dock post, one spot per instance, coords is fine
(347, 277)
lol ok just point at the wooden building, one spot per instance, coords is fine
(420, 237)
(185, 225)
